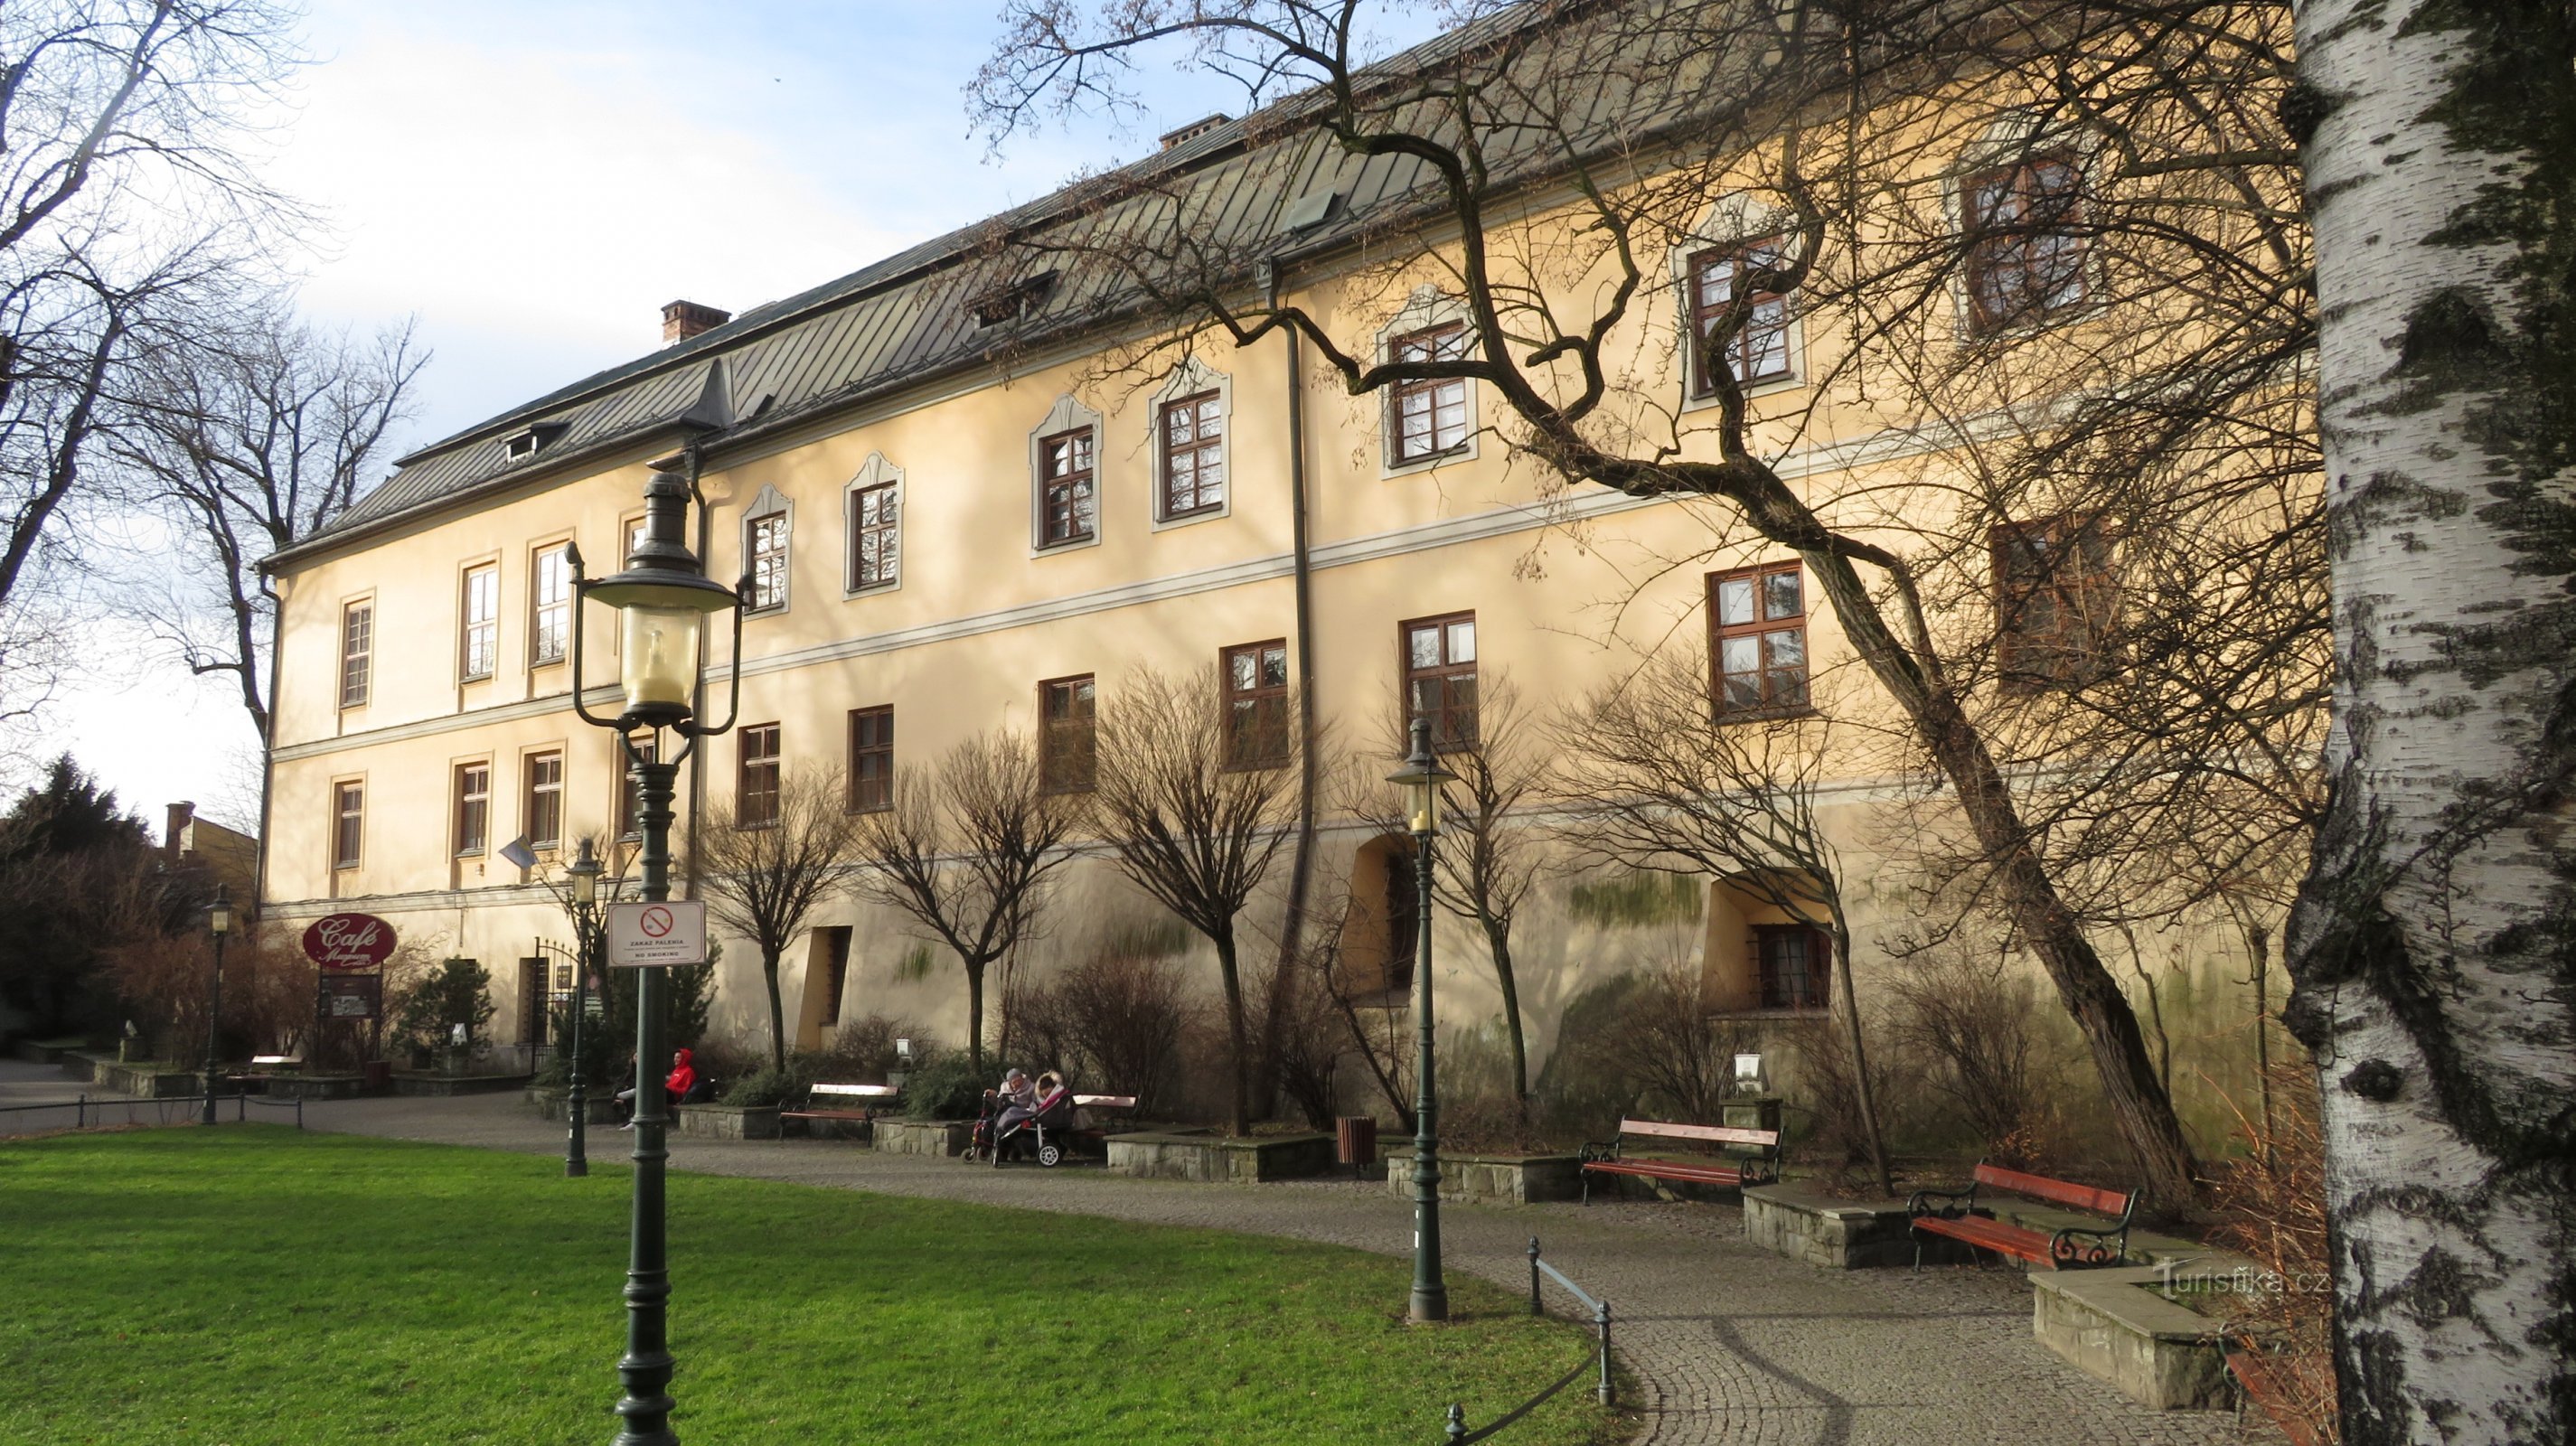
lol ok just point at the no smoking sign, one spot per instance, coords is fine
(653, 935)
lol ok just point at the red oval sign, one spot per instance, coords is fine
(348, 941)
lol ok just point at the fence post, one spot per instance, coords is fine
(1457, 1422)
(1535, 1308)
(1601, 1316)
(80, 1112)
(299, 1111)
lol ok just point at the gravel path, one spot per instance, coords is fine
(1726, 1343)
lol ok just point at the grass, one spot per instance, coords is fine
(250, 1284)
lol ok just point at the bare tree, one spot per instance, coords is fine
(1494, 851)
(1655, 783)
(968, 852)
(764, 864)
(2090, 358)
(1194, 822)
(251, 437)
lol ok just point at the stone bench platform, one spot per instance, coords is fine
(1210, 1158)
(1491, 1179)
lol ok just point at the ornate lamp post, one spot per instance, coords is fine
(586, 937)
(1421, 777)
(663, 600)
(219, 922)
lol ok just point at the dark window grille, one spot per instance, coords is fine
(1790, 965)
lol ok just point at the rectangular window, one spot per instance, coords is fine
(1069, 496)
(1193, 461)
(550, 598)
(2057, 603)
(2025, 254)
(544, 817)
(473, 807)
(755, 789)
(348, 832)
(357, 653)
(630, 799)
(479, 646)
(1790, 965)
(1431, 414)
(1440, 677)
(1068, 737)
(1256, 704)
(1759, 350)
(871, 759)
(768, 542)
(1757, 640)
(875, 523)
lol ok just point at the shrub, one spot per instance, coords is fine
(2273, 1208)
(1669, 1049)
(457, 991)
(1973, 1020)
(948, 1088)
(1114, 1022)
(771, 1086)
(862, 1050)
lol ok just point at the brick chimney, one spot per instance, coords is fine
(684, 319)
(180, 815)
(1194, 130)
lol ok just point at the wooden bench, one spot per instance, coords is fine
(866, 1098)
(1760, 1167)
(1093, 1137)
(264, 1067)
(1958, 1218)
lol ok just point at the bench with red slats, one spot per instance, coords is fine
(814, 1109)
(1959, 1219)
(1759, 1167)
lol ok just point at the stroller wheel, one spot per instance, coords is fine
(1050, 1155)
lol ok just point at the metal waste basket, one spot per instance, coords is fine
(1355, 1141)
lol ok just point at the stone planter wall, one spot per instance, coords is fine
(310, 1086)
(1215, 1159)
(2109, 1323)
(923, 1137)
(599, 1106)
(1492, 1179)
(147, 1081)
(1837, 1234)
(729, 1122)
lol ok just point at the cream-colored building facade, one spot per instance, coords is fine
(884, 455)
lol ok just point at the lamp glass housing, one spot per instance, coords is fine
(1422, 804)
(659, 657)
(219, 918)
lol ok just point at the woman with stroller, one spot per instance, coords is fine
(1015, 1101)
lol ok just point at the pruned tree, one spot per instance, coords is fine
(1196, 821)
(763, 864)
(1491, 851)
(968, 852)
(2430, 952)
(2051, 264)
(1654, 781)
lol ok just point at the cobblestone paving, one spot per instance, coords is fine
(1722, 1342)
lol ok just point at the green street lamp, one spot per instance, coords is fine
(219, 922)
(663, 600)
(584, 892)
(1421, 778)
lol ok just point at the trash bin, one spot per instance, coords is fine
(377, 1074)
(1355, 1141)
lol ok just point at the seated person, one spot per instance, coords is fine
(1018, 1099)
(1055, 1101)
(682, 1079)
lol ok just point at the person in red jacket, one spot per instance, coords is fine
(683, 1076)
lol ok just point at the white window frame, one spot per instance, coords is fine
(875, 472)
(1068, 414)
(1730, 224)
(1426, 308)
(1189, 379)
(772, 503)
(537, 605)
(466, 623)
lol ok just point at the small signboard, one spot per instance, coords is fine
(352, 996)
(643, 936)
(348, 941)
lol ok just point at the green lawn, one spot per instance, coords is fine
(252, 1285)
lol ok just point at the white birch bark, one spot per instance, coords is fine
(2432, 941)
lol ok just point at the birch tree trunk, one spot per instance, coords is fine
(2431, 947)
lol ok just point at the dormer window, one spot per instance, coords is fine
(526, 444)
(1011, 302)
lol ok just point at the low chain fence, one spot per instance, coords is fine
(121, 1112)
(1597, 1367)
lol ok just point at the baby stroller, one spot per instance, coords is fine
(1041, 1137)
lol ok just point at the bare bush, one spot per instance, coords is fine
(1974, 1018)
(1115, 1021)
(863, 1050)
(1671, 1049)
(2272, 1207)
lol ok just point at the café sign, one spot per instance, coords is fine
(349, 941)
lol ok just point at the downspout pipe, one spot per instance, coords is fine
(1302, 571)
(698, 700)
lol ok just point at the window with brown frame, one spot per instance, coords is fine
(1757, 640)
(550, 612)
(872, 758)
(767, 538)
(1759, 350)
(543, 820)
(349, 823)
(876, 519)
(1430, 414)
(1069, 498)
(357, 652)
(755, 789)
(1440, 677)
(2057, 603)
(1791, 965)
(473, 808)
(1256, 704)
(2025, 260)
(479, 645)
(1068, 734)
(630, 799)
(1193, 460)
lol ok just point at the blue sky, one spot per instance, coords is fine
(531, 182)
